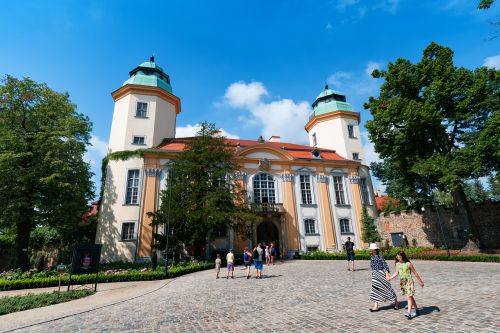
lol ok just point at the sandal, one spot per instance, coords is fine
(372, 310)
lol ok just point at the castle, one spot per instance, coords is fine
(310, 197)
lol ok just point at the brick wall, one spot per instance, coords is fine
(426, 229)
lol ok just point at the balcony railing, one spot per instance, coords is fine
(268, 207)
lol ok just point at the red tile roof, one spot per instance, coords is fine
(294, 150)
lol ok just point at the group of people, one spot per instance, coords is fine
(259, 253)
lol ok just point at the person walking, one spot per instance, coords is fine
(268, 255)
(349, 249)
(230, 264)
(258, 255)
(381, 290)
(247, 260)
(404, 269)
(273, 253)
(218, 263)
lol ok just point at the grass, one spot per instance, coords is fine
(32, 301)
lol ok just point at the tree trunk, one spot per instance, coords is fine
(466, 219)
(23, 232)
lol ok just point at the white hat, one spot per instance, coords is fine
(373, 246)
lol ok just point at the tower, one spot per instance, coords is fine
(334, 125)
(144, 114)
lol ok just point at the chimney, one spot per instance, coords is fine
(275, 138)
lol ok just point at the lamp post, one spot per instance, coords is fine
(169, 184)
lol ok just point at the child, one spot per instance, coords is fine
(404, 269)
(247, 260)
(230, 264)
(218, 262)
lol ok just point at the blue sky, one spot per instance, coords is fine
(251, 67)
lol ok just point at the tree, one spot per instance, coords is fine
(474, 191)
(485, 4)
(429, 126)
(44, 180)
(494, 187)
(202, 194)
(369, 232)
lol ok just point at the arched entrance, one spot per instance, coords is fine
(268, 233)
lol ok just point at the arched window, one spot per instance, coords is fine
(263, 189)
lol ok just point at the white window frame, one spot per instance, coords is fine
(343, 198)
(136, 109)
(274, 188)
(138, 188)
(365, 193)
(349, 132)
(134, 233)
(306, 220)
(139, 136)
(349, 231)
(302, 191)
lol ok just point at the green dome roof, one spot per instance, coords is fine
(150, 74)
(330, 100)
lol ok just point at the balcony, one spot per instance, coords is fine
(266, 208)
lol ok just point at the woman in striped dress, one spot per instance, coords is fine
(381, 288)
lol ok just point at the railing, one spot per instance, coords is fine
(268, 207)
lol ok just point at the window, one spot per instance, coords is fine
(310, 226)
(312, 248)
(315, 140)
(128, 231)
(344, 226)
(132, 194)
(220, 232)
(339, 190)
(365, 195)
(355, 156)
(138, 140)
(263, 189)
(141, 110)
(305, 189)
(350, 130)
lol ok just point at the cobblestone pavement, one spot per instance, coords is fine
(303, 296)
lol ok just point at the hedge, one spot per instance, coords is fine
(31, 301)
(133, 275)
(363, 255)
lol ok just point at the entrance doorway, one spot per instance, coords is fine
(268, 233)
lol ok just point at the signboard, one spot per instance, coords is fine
(61, 269)
(86, 257)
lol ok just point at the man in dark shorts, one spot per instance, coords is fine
(349, 249)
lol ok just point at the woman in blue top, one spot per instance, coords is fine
(381, 288)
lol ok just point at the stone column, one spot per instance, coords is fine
(149, 204)
(329, 237)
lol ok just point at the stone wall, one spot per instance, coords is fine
(435, 227)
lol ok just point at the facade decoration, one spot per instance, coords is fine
(303, 209)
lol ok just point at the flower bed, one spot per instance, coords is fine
(17, 280)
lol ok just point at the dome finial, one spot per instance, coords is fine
(326, 86)
(152, 58)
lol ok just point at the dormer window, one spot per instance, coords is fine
(141, 110)
(316, 153)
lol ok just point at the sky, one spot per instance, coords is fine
(251, 67)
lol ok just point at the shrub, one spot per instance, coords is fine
(414, 242)
(31, 301)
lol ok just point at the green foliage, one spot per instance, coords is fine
(413, 253)
(202, 194)
(32, 301)
(435, 125)
(44, 179)
(474, 191)
(369, 232)
(485, 4)
(22, 280)
(494, 187)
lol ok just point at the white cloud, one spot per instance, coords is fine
(96, 151)
(370, 67)
(242, 95)
(356, 84)
(282, 117)
(492, 62)
(329, 26)
(343, 4)
(339, 78)
(191, 130)
(363, 7)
